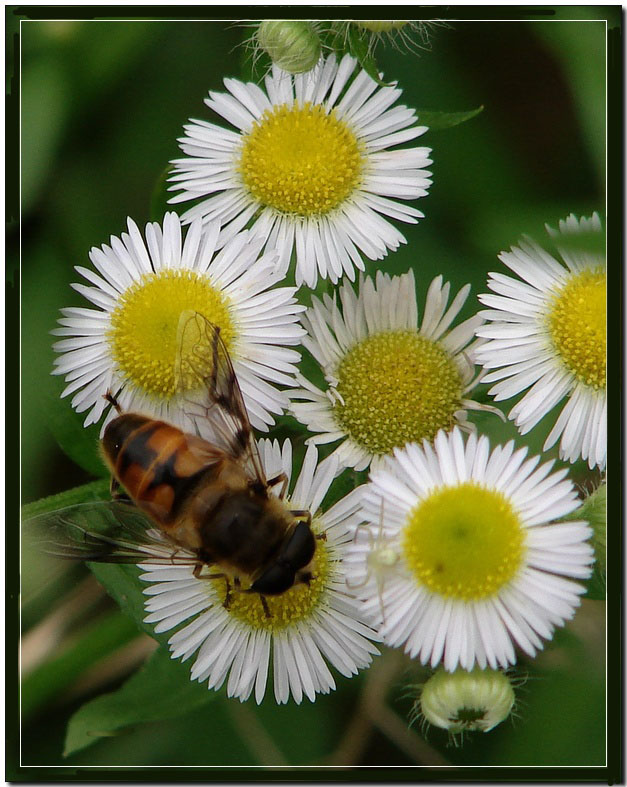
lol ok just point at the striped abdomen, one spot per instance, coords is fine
(157, 464)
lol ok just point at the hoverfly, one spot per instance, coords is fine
(188, 500)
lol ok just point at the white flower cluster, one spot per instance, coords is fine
(453, 550)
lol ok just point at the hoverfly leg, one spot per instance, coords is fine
(109, 396)
(204, 562)
(265, 606)
(173, 555)
(116, 494)
(280, 479)
(304, 515)
(198, 575)
(227, 597)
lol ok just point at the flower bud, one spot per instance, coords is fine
(403, 34)
(381, 25)
(464, 701)
(292, 44)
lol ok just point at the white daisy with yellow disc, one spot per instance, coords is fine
(390, 379)
(482, 567)
(311, 627)
(311, 167)
(129, 343)
(548, 337)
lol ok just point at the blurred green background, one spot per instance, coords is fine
(102, 106)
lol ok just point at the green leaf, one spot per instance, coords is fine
(594, 511)
(122, 583)
(438, 120)
(97, 639)
(80, 443)
(358, 48)
(335, 38)
(161, 689)
(597, 586)
(96, 490)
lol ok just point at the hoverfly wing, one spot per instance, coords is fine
(103, 532)
(203, 361)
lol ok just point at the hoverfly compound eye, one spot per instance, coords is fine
(274, 581)
(300, 548)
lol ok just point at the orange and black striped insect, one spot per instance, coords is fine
(191, 501)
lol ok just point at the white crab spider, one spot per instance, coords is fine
(381, 560)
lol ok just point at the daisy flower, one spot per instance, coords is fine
(128, 344)
(309, 165)
(481, 565)
(548, 335)
(310, 628)
(390, 379)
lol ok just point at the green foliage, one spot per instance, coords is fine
(597, 586)
(569, 693)
(102, 106)
(78, 442)
(97, 490)
(436, 121)
(123, 585)
(594, 511)
(94, 643)
(358, 46)
(161, 689)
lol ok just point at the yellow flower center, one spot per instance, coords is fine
(464, 542)
(301, 160)
(297, 603)
(577, 326)
(398, 387)
(144, 325)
